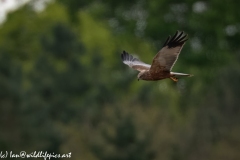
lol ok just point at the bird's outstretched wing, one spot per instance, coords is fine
(167, 56)
(134, 62)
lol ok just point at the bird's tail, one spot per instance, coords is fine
(174, 76)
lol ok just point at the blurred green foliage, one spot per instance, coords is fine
(64, 87)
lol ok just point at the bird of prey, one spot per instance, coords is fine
(162, 63)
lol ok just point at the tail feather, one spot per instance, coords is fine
(180, 74)
(175, 76)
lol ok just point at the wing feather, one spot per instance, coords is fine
(168, 55)
(133, 62)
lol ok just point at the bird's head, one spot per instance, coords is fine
(141, 75)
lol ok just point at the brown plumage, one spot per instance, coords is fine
(163, 61)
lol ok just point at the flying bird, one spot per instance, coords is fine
(163, 61)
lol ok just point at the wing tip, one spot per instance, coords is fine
(179, 38)
(125, 56)
(122, 55)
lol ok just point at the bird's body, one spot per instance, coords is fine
(146, 75)
(162, 62)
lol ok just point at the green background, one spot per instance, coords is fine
(64, 88)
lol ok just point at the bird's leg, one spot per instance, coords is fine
(175, 79)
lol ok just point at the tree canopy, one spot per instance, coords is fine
(64, 87)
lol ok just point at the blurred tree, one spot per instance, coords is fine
(64, 87)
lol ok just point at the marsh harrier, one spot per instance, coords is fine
(162, 63)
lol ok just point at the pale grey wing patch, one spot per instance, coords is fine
(134, 62)
(168, 55)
